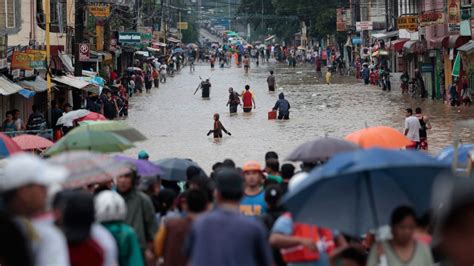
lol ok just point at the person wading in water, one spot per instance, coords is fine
(218, 128)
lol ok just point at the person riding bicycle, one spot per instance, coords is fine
(404, 78)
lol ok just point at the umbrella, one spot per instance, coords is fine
(215, 45)
(382, 137)
(31, 142)
(456, 66)
(192, 45)
(320, 150)
(93, 116)
(119, 128)
(447, 154)
(175, 169)
(86, 168)
(143, 167)
(178, 50)
(68, 118)
(7, 146)
(99, 141)
(133, 69)
(357, 191)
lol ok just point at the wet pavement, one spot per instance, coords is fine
(176, 121)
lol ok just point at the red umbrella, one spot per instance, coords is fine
(92, 117)
(31, 142)
(7, 146)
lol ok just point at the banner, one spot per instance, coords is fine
(431, 18)
(408, 23)
(99, 10)
(29, 60)
(364, 25)
(454, 16)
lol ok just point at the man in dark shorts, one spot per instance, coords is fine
(233, 101)
(271, 81)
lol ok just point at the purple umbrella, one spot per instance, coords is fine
(143, 167)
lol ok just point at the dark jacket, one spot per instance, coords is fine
(282, 105)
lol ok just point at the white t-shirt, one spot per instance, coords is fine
(51, 247)
(413, 125)
(107, 242)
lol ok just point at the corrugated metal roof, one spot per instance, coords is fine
(37, 85)
(8, 87)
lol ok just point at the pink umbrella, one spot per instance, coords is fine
(31, 142)
(93, 117)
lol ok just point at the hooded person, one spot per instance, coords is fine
(110, 210)
(141, 212)
(283, 107)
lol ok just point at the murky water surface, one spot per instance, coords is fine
(176, 121)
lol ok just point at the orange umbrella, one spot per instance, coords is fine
(31, 142)
(382, 137)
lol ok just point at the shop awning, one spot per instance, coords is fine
(385, 35)
(67, 62)
(467, 48)
(151, 49)
(397, 45)
(456, 41)
(411, 47)
(99, 57)
(157, 44)
(37, 85)
(438, 42)
(270, 38)
(76, 83)
(171, 39)
(8, 87)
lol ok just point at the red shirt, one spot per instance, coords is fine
(86, 253)
(247, 97)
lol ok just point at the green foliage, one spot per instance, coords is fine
(191, 35)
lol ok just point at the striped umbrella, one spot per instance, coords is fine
(87, 168)
(7, 146)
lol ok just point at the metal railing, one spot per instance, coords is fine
(47, 133)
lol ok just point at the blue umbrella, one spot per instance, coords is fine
(174, 169)
(357, 191)
(447, 154)
(178, 50)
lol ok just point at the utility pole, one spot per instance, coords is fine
(48, 56)
(78, 35)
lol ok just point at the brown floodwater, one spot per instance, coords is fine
(176, 121)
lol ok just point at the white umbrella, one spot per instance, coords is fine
(68, 118)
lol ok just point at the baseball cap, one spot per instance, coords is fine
(23, 169)
(252, 166)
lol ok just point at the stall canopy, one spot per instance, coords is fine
(456, 41)
(36, 85)
(467, 48)
(397, 45)
(171, 39)
(385, 35)
(8, 87)
(411, 47)
(77, 83)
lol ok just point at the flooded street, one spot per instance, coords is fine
(176, 121)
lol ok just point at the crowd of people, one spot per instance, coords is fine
(233, 217)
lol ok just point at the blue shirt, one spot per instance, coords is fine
(226, 237)
(253, 205)
(284, 225)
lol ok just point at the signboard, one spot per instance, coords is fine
(84, 52)
(340, 20)
(113, 45)
(408, 23)
(29, 60)
(364, 25)
(431, 18)
(182, 25)
(130, 37)
(454, 17)
(99, 10)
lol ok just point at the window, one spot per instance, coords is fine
(58, 15)
(7, 14)
(10, 13)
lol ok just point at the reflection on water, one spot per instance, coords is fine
(176, 121)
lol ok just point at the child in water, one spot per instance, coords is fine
(328, 77)
(218, 128)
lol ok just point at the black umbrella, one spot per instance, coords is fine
(175, 169)
(320, 150)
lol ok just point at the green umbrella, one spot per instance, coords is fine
(119, 128)
(98, 141)
(457, 66)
